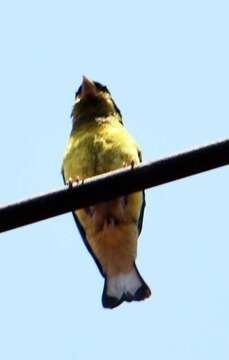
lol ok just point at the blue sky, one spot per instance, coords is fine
(166, 64)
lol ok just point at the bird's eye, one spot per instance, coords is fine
(101, 87)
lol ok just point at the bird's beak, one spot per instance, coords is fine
(88, 88)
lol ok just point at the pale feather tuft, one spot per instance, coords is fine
(124, 287)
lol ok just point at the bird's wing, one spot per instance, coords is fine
(141, 216)
(83, 234)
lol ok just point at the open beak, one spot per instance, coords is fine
(88, 88)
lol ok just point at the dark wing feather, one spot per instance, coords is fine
(83, 235)
(141, 216)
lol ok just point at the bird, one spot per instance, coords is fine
(100, 143)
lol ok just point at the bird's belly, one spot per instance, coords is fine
(111, 231)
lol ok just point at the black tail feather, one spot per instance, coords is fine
(141, 293)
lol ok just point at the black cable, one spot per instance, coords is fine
(114, 184)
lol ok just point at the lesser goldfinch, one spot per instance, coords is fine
(99, 143)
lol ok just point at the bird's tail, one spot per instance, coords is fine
(124, 287)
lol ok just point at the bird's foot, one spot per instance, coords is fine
(69, 183)
(126, 164)
(132, 164)
(74, 182)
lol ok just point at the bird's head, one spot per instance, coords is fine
(93, 100)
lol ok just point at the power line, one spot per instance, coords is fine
(111, 185)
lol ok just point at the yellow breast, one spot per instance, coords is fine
(98, 147)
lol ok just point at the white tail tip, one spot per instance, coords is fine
(124, 287)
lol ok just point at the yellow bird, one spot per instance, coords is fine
(97, 144)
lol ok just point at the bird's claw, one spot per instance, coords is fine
(126, 164)
(132, 164)
(74, 182)
(69, 183)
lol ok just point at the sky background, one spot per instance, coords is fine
(166, 64)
